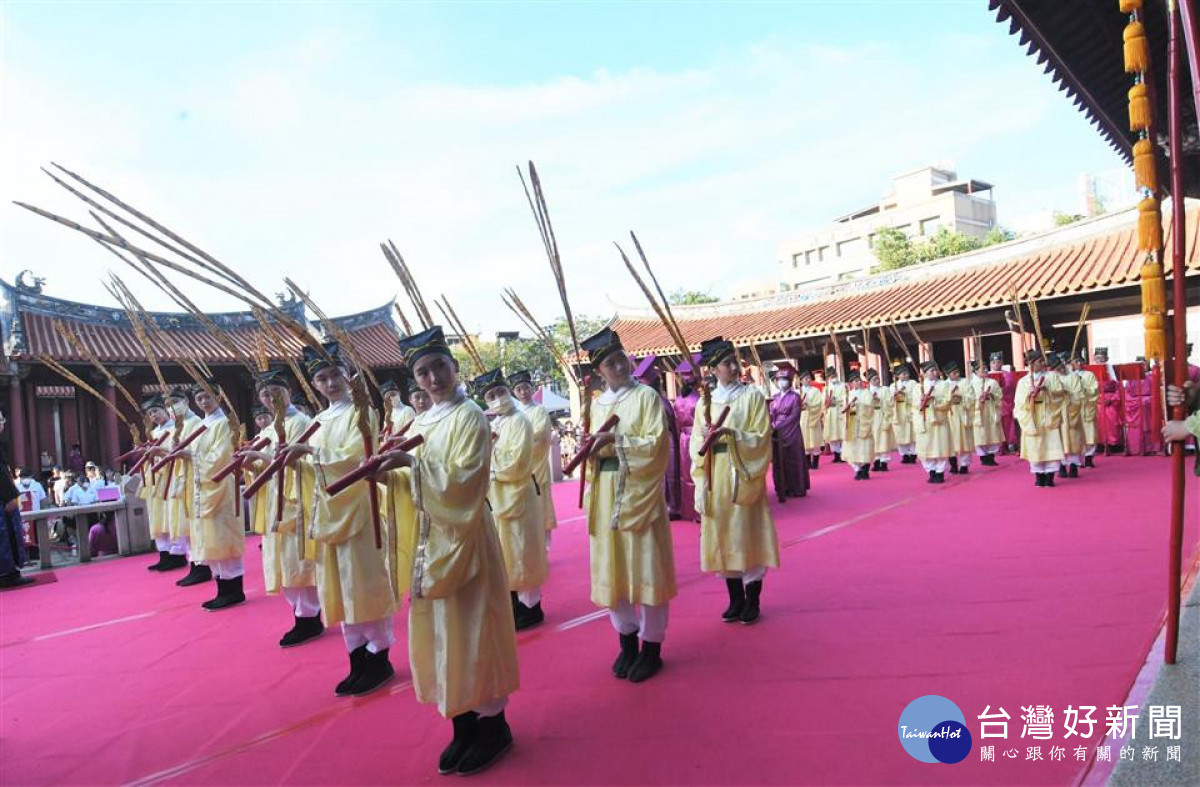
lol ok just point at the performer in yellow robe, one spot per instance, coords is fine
(1073, 438)
(1091, 396)
(812, 402)
(181, 488)
(461, 642)
(737, 532)
(835, 423)
(858, 414)
(632, 556)
(220, 539)
(514, 501)
(352, 577)
(259, 503)
(905, 391)
(1037, 406)
(153, 486)
(986, 424)
(399, 413)
(960, 419)
(881, 426)
(539, 419)
(930, 415)
(419, 398)
(288, 553)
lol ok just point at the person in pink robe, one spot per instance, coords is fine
(1151, 414)
(685, 414)
(1008, 392)
(1109, 416)
(647, 373)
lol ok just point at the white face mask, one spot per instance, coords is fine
(785, 383)
(502, 405)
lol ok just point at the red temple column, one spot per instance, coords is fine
(112, 439)
(16, 421)
(1018, 351)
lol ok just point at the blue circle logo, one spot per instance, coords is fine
(933, 729)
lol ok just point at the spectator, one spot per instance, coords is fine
(75, 459)
(12, 541)
(31, 491)
(58, 484)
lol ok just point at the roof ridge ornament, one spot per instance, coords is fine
(26, 281)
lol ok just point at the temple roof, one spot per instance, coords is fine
(27, 320)
(1089, 256)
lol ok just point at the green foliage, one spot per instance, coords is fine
(528, 353)
(1063, 219)
(692, 297)
(896, 250)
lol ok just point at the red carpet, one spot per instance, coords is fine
(986, 591)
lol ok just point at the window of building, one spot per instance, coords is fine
(871, 241)
(808, 256)
(929, 226)
(821, 253)
(796, 260)
(849, 247)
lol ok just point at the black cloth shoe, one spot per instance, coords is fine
(304, 630)
(1039, 479)
(492, 739)
(750, 611)
(465, 728)
(172, 562)
(816, 462)
(1073, 471)
(1049, 479)
(629, 654)
(939, 478)
(357, 662)
(649, 662)
(883, 466)
(932, 478)
(528, 617)
(377, 670)
(954, 464)
(1088, 461)
(197, 576)
(837, 458)
(737, 599)
(866, 473)
(964, 469)
(1062, 471)
(162, 561)
(229, 592)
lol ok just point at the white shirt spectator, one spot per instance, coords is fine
(33, 490)
(79, 496)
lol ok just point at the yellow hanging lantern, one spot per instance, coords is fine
(1154, 309)
(1129, 6)
(1139, 108)
(1150, 237)
(1137, 51)
(1145, 174)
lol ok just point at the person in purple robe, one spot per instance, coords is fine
(685, 415)
(647, 373)
(791, 462)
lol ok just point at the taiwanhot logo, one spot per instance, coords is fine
(933, 729)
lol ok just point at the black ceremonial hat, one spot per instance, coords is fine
(713, 350)
(601, 345)
(489, 380)
(417, 346)
(315, 361)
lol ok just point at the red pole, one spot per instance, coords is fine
(1179, 323)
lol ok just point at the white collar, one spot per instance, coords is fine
(336, 407)
(609, 396)
(442, 409)
(217, 415)
(727, 393)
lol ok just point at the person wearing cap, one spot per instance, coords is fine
(461, 640)
(1100, 354)
(986, 423)
(353, 583)
(1090, 391)
(153, 488)
(960, 418)
(219, 539)
(514, 500)
(180, 508)
(858, 449)
(259, 504)
(1008, 391)
(737, 533)
(1074, 440)
(904, 392)
(632, 555)
(811, 428)
(789, 420)
(398, 413)
(288, 553)
(1038, 409)
(418, 398)
(835, 422)
(539, 419)
(684, 406)
(931, 412)
(881, 426)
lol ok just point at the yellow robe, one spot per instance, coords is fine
(1073, 437)
(835, 403)
(217, 532)
(986, 424)
(514, 502)
(151, 491)
(931, 425)
(289, 555)
(632, 555)
(399, 417)
(885, 415)
(812, 402)
(961, 416)
(1091, 395)
(859, 445)
(461, 640)
(906, 396)
(737, 531)
(180, 509)
(539, 419)
(1040, 419)
(352, 577)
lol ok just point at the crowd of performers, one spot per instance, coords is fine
(451, 502)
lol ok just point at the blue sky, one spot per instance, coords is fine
(288, 139)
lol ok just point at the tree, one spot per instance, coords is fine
(895, 250)
(528, 353)
(1063, 219)
(692, 297)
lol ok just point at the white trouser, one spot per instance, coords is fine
(856, 466)
(492, 708)
(814, 451)
(984, 450)
(835, 446)
(964, 460)
(754, 574)
(162, 543)
(935, 465)
(377, 635)
(1044, 467)
(227, 569)
(908, 449)
(651, 622)
(304, 601)
(530, 597)
(1090, 450)
(1072, 459)
(180, 546)
(885, 458)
